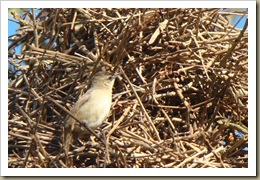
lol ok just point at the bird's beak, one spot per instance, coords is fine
(115, 75)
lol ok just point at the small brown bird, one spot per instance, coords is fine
(92, 108)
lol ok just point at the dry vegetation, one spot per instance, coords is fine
(181, 100)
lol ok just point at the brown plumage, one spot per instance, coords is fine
(92, 108)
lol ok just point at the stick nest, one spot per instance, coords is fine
(181, 100)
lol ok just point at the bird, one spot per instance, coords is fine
(92, 108)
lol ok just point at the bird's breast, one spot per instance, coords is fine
(96, 109)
